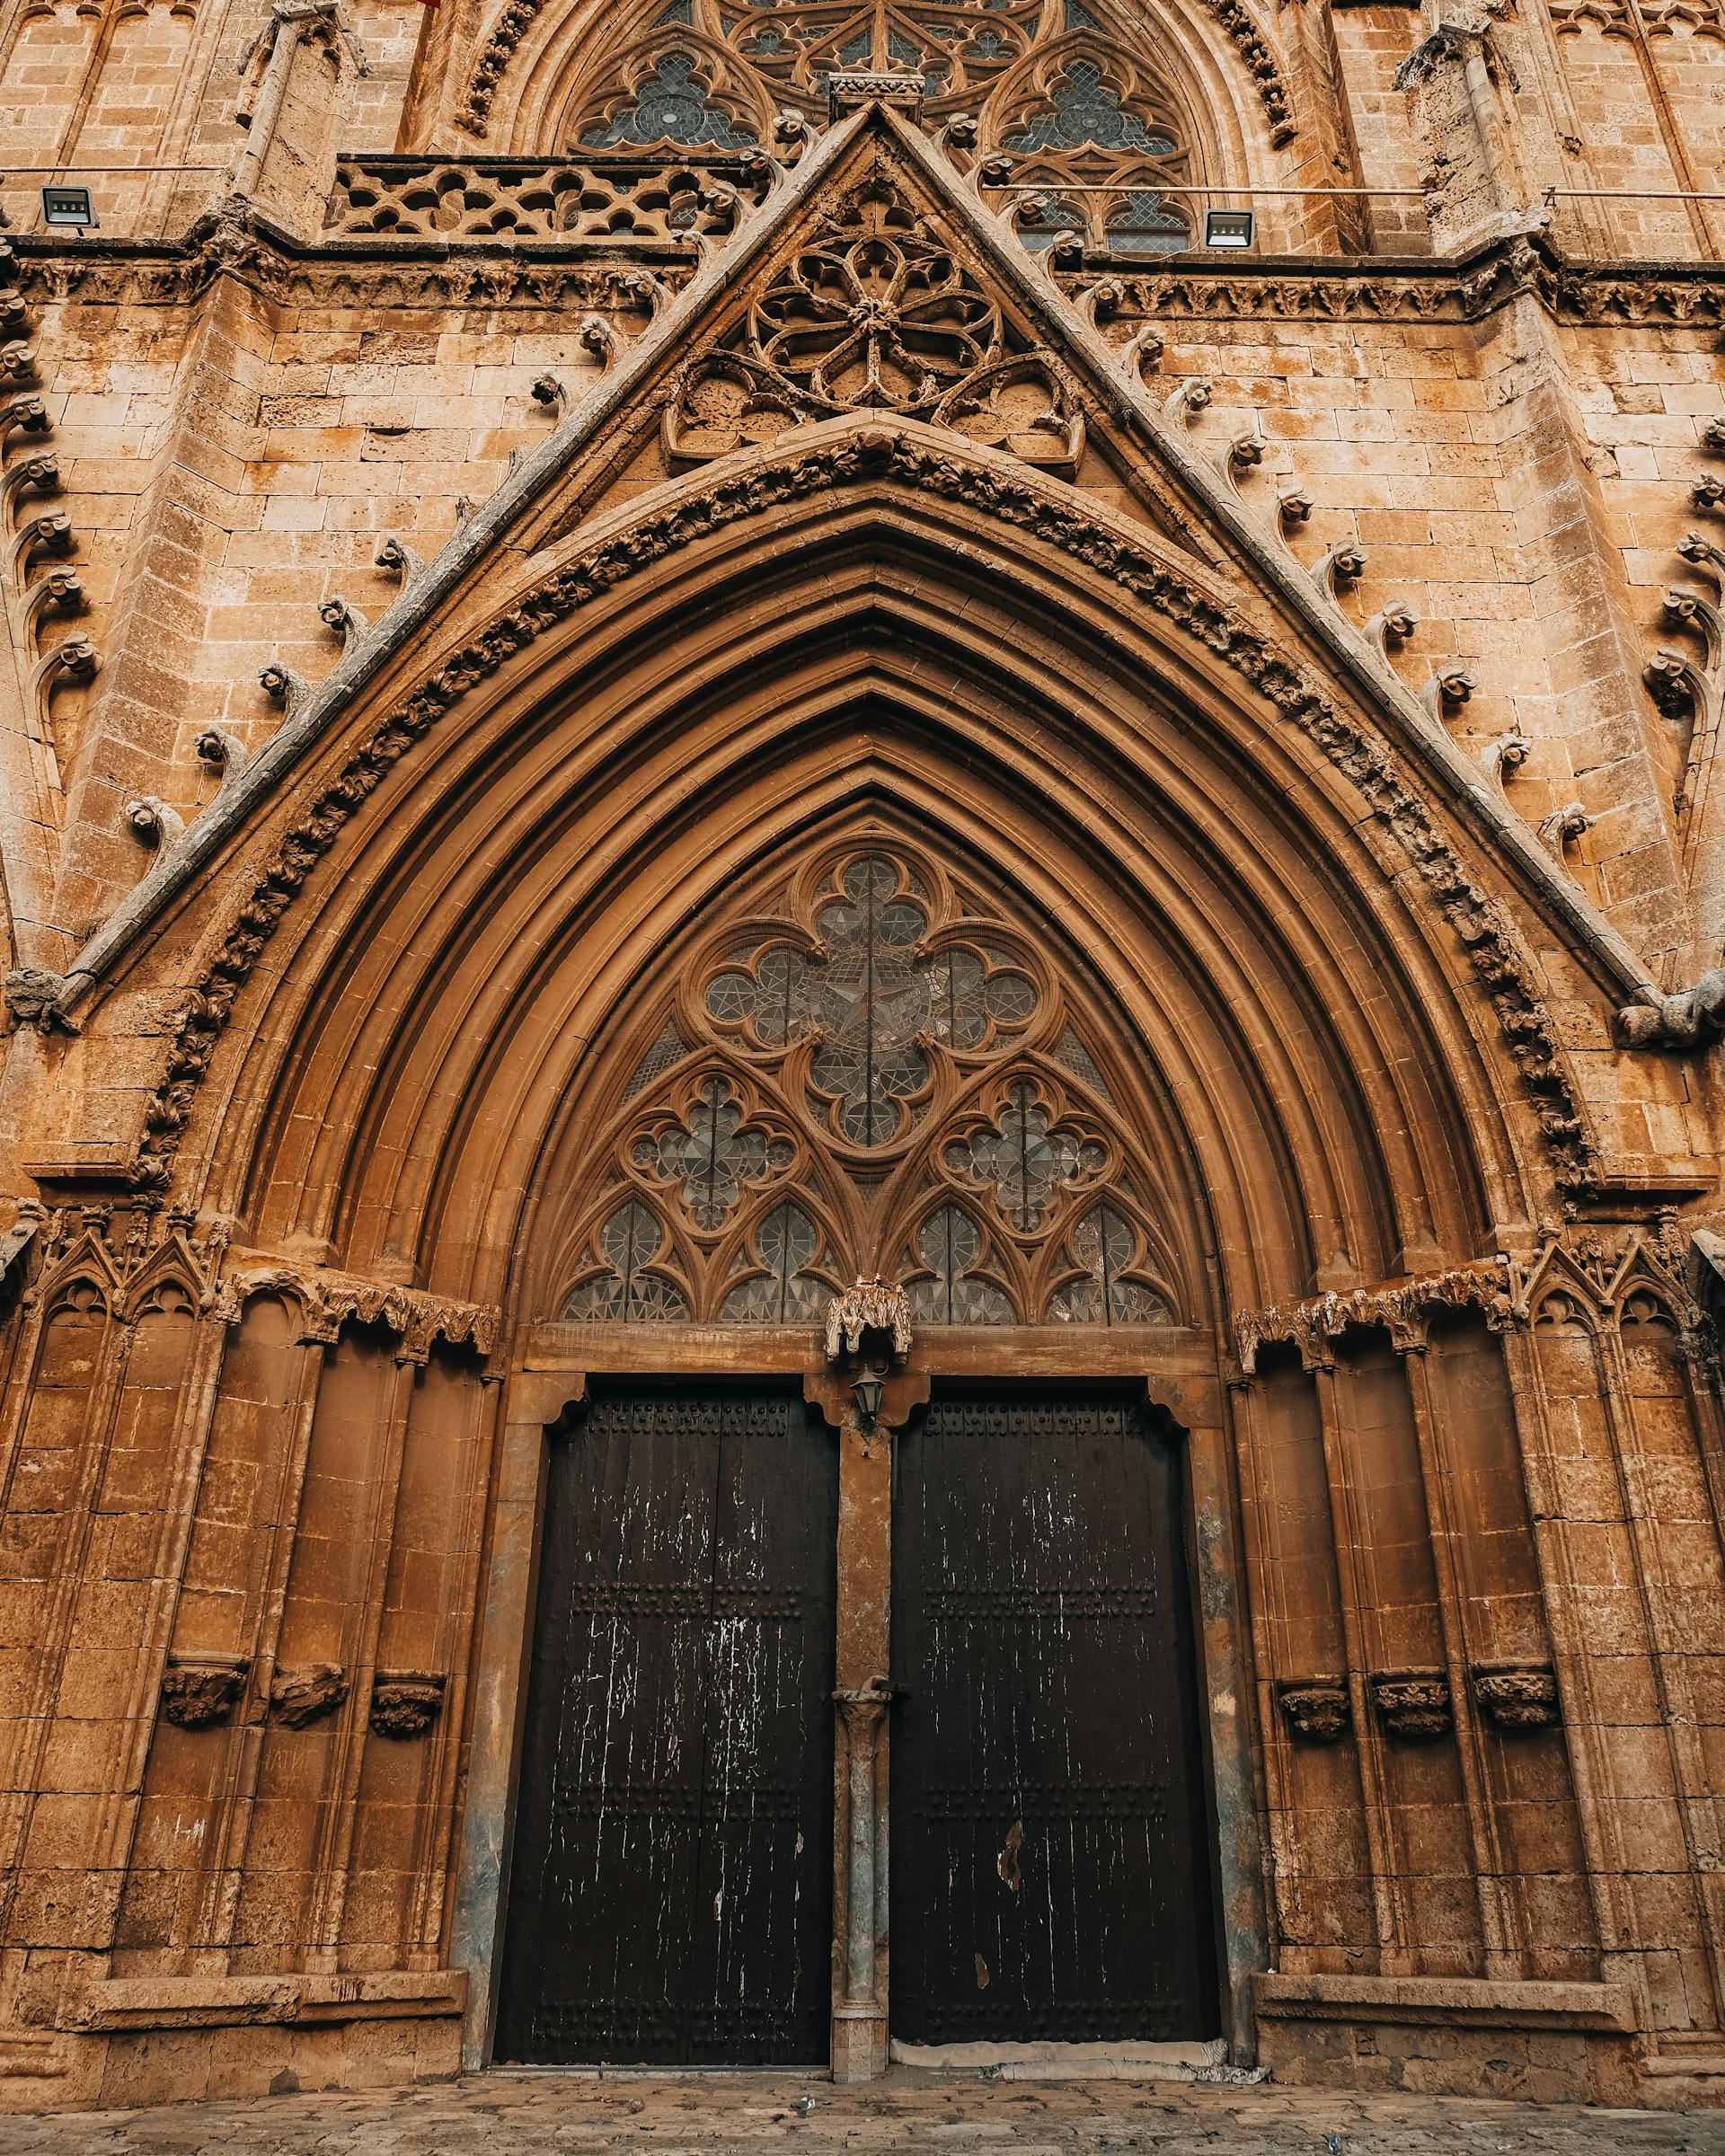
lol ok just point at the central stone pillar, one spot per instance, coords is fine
(865, 1398)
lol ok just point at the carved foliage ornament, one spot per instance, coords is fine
(1481, 926)
(875, 314)
(1317, 1709)
(197, 1691)
(404, 1703)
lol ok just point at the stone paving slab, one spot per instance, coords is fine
(559, 2114)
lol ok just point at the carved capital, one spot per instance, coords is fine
(197, 1691)
(867, 1306)
(1517, 1695)
(406, 1703)
(300, 1696)
(1412, 1702)
(1316, 1709)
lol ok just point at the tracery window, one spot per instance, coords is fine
(1068, 110)
(881, 1071)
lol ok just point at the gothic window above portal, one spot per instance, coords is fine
(880, 1070)
(1059, 106)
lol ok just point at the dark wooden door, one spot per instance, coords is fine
(671, 1887)
(1050, 1858)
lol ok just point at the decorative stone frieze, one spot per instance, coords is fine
(1414, 1703)
(328, 1299)
(1517, 1695)
(1317, 1709)
(299, 1697)
(200, 1692)
(561, 199)
(1401, 1307)
(404, 1703)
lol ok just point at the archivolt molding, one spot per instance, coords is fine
(1598, 1275)
(1003, 491)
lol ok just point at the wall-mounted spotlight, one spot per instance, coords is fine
(68, 206)
(1228, 227)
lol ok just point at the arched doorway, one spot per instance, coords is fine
(871, 1061)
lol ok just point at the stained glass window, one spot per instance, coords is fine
(712, 1154)
(628, 1242)
(867, 994)
(1105, 1244)
(951, 1245)
(786, 1291)
(880, 1073)
(670, 106)
(1025, 1159)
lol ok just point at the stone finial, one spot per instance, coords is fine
(1317, 1709)
(282, 683)
(396, 558)
(299, 1697)
(1412, 1702)
(1294, 504)
(199, 1691)
(1517, 1695)
(343, 616)
(548, 389)
(406, 1703)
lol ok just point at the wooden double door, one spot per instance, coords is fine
(671, 1895)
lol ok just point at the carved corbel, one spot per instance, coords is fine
(404, 1703)
(1563, 827)
(200, 1690)
(868, 1306)
(1317, 1709)
(32, 996)
(221, 752)
(299, 1697)
(1448, 691)
(1502, 759)
(595, 335)
(1344, 563)
(1188, 399)
(1518, 1696)
(1412, 1703)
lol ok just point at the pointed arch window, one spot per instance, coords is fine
(1071, 108)
(881, 1071)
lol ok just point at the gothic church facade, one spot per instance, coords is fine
(860, 1122)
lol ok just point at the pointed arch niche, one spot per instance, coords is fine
(870, 1059)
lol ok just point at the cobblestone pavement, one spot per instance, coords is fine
(554, 2115)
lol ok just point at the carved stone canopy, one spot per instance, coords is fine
(197, 1691)
(1412, 1702)
(1317, 1708)
(406, 1703)
(867, 1306)
(1517, 1695)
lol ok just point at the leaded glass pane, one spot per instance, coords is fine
(712, 1154)
(950, 1244)
(786, 1242)
(1025, 1159)
(1104, 1243)
(868, 994)
(628, 1242)
(1086, 111)
(671, 106)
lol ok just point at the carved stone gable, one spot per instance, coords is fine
(874, 312)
